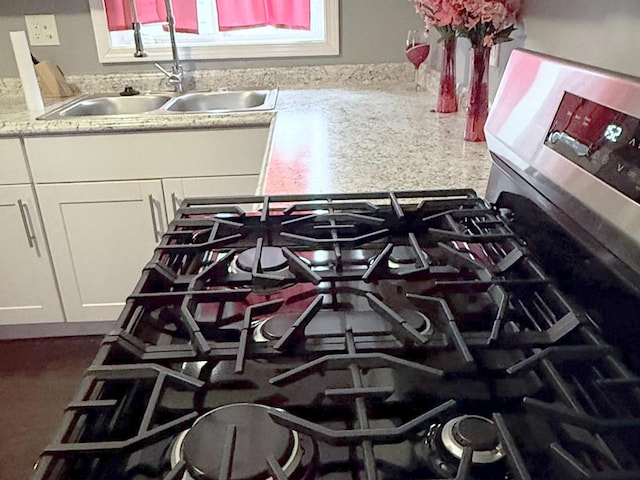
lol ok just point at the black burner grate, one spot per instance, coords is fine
(365, 322)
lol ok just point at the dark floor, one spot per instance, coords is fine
(38, 378)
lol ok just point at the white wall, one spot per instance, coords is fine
(604, 33)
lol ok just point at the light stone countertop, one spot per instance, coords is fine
(347, 139)
(14, 120)
(370, 139)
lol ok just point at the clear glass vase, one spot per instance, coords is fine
(478, 108)
(447, 98)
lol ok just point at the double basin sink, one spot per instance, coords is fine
(166, 104)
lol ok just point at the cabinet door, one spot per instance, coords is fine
(28, 292)
(13, 168)
(101, 235)
(176, 189)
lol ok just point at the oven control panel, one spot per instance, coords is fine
(601, 140)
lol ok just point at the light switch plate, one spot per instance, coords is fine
(42, 30)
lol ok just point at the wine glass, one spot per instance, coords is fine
(417, 51)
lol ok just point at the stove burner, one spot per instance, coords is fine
(476, 432)
(329, 323)
(402, 256)
(419, 321)
(275, 327)
(271, 260)
(257, 437)
(444, 445)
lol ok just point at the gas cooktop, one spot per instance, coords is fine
(355, 336)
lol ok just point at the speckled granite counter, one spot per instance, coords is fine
(326, 140)
(370, 139)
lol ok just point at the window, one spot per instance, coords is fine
(210, 43)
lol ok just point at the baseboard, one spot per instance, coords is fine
(66, 329)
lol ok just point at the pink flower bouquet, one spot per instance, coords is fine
(484, 22)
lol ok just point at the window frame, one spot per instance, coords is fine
(109, 54)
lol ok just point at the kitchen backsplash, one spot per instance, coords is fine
(284, 77)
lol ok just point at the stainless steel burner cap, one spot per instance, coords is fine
(403, 256)
(271, 260)
(476, 432)
(257, 436)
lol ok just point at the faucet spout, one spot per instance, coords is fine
(176, 76)
(172, 35)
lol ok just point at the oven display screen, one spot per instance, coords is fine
(601, 140)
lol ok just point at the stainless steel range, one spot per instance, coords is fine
(393, 335)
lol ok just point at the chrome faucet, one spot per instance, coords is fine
(176, 76)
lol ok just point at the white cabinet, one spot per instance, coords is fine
(176, 189)
(168, 154)
(28, 291)
(13, 169)
(101, 235)
(105, 200)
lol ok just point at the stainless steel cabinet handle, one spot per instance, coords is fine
(175, 202)
(154, 221)
(26, 221)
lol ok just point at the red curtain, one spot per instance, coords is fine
(234, 14)
(151, 11)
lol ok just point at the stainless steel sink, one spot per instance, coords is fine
(223, 101)
(97, 105)
(113, 105)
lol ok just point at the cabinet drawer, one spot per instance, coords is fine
(13, 168)
(140, 156)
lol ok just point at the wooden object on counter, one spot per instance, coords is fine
(52, 81)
